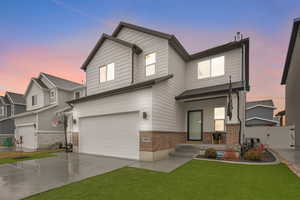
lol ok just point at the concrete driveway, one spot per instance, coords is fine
(26, 178)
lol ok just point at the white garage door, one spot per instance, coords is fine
(114, 135)
(28, 136)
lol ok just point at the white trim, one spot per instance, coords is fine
(105, 114)
(34, 111)
(42, 74)
(48, 131)
(260, 105)
(258, 118)
(25, 124)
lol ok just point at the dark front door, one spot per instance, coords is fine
(195, 125)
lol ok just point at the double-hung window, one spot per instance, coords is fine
(107, 72)
(219, 118)
(211, 67)
(34, 100)
(150, 64)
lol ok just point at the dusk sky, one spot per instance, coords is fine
(55, 36)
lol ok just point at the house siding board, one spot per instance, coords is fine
(140, 100)
(149, 44)
(19, 109)
(7, 126)
(25, 119)
(110, 52)
(35, 90)
(292, 92)
(233, 68)
(265, 113)
(168, 114)
(45, 119)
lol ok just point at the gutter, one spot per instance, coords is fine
(238, 115)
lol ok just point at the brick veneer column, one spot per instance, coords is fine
(232, 136)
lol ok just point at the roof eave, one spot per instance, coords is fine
(290, 50)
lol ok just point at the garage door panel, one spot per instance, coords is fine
(28, 136)
(111, 135)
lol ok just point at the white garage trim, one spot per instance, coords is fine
(25, 124)
(105, 114)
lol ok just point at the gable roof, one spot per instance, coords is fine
(40, 83)
(130, 88)
(262, 103)
(16, 98)
(104, 37)
(62, 83)
(290, 50)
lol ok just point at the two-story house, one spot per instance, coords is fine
(146, 94)
(10, 104)
(290, 77)
(46, 97)
(260, 113)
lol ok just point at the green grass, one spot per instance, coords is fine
(205, 180)
(29, 157)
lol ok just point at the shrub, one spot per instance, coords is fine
(210, 153)
(253, 155)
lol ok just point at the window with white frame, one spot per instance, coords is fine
(107, 72)
(150, 60)
(211, 67)
(34, 100)
(219, 118)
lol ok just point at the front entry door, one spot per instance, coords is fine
(195, 125)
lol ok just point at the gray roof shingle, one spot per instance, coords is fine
(17, 98)
(63, 83)
(268, 102)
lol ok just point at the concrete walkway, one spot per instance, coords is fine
(26, 178)
(291, 157)
(166, 165)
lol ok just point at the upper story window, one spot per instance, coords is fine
(107, 72)
(77, 95)
(52, 94)
(150, 64)
(1, 110)
(211, 67)
(219, 118)
(34, 100)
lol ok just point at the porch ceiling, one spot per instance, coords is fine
(209, 91)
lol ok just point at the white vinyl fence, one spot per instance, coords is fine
(274, 137)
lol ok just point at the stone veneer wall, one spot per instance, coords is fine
(46, 140)
(155, 145)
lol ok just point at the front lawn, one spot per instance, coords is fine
(11, 157)
(207, 180)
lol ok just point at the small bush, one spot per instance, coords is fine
(210, 153)
(253, 155)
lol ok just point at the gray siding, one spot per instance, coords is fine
(19, 109)
(233, 68)
(167, 112)
(265, 113)
(292, 91)
(149, 44)
(110, 52)
(35, 90)
(45, 122)
(7, 126)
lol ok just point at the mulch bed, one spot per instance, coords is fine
(266, 158)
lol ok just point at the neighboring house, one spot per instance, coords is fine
(11, 104)
(260, 113)
(281, 117)
(145, 94)
(290, 79)
(45, 97)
